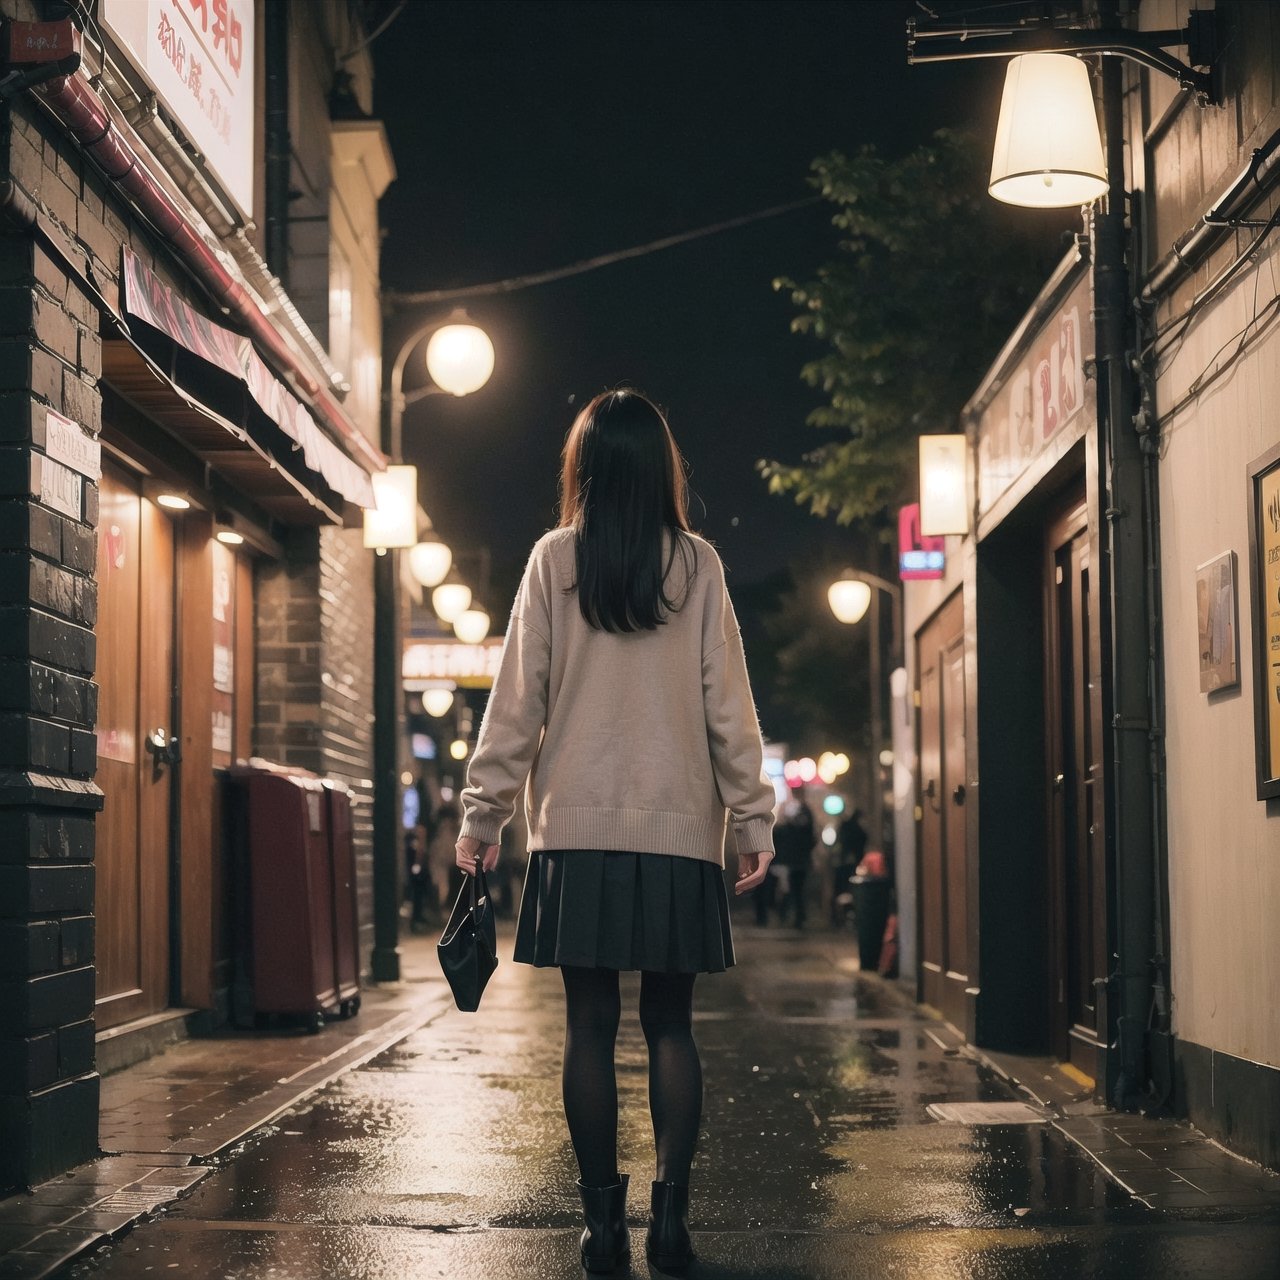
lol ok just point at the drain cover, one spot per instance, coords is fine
(985, 1113)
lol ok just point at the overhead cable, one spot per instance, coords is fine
(416, 297)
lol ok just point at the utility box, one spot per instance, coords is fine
(296, 935)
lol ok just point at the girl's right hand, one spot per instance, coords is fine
(752, 869)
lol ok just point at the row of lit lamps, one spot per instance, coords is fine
(460, 360)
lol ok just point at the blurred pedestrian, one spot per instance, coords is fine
(851, 845)
(624, 689)
(794, 840)
(442, 854)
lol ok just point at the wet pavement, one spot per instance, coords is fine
(822, 1155)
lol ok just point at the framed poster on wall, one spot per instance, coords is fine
(1264, 588)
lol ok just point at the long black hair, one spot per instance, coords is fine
(623, 491)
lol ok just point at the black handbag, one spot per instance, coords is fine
(468, 948)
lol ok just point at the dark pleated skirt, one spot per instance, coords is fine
(611, 910)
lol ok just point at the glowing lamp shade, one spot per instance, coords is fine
(450, 601)
(459, 358)
(1048, 152)
(471, 626)
(458, 749)
(437, 702)
(849, 599)
(393, 520)
(429, 562)
(944, 505)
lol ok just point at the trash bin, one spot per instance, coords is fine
(296, 950)
(346, 925)
(872, 897)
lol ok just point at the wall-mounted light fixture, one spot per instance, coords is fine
(229, 537)
(173, 502)
(1048, 152)
(944, 488)
(393, 522)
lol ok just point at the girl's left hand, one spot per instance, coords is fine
(469, 849)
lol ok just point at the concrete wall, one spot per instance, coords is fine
(1223, 844)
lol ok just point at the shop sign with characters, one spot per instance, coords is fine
(198, 57)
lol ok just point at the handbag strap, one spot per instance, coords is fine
(479, 889)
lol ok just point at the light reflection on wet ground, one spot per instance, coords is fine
(446, 1156)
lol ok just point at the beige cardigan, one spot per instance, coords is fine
(637, 741)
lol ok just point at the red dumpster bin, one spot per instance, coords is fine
(346, 925)
(295, 876)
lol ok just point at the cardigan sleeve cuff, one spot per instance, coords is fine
(486, 830)
(754, 836)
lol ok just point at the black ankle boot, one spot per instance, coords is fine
(604, 1242)
(668, 1245)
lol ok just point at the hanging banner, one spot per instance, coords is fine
(150, 300)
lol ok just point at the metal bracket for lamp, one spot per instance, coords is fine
(1002, 40)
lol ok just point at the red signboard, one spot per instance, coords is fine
(918, 556)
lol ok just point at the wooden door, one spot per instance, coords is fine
(135, 677)
(1077, 921)
(944, 862)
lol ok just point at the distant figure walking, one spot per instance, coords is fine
(623, 700)
(851, 847)
(794, 840)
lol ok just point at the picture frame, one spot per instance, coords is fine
(1217, 623)
(1264, 591)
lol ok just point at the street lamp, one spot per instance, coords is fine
(850, 596)
(459, 360)
(471, 626)
(430, 562)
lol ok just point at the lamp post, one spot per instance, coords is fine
(459, 361)
(850, 596)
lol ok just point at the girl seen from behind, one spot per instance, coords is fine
(623, 700)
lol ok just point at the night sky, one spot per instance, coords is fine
(530, 135)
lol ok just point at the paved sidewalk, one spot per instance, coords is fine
(830, 1149)
(167, 1123)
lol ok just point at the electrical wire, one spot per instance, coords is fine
(1212, 371)
(1182, 323)
(513, 283)
(374, 34)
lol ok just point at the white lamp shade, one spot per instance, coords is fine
(450, 600)
(944, 504)
(393, 521)
(459, 358)
(849, 599)
(437, 702)
(471, 626)
(1048, 153)
(429, 562)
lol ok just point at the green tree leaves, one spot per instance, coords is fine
(929, 279)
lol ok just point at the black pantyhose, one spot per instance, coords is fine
(675, 1071)
(593, 1008)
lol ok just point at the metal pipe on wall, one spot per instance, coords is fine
(1124, 593)
(278, 144)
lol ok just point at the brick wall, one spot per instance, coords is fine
(315, 675)
(50, 357)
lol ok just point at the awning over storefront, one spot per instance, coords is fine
(208, 386)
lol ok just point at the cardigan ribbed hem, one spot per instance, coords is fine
(682, 835)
